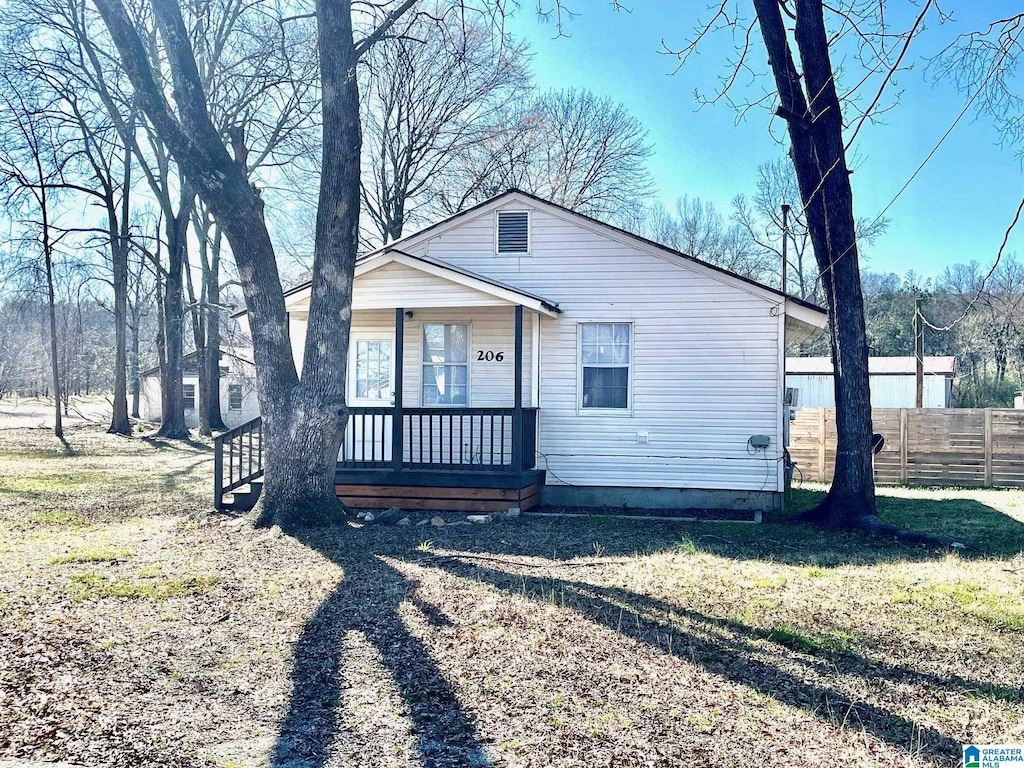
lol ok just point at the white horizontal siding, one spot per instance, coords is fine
(151, 408)
(705, 358)
(491, 383)
(396, 285)
(491, 329)
(890, 391)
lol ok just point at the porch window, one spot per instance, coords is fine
(189, 395)
(445, 364)
(234, 397)
(373, 369)
(605, 361)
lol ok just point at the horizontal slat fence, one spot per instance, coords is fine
(927, 446)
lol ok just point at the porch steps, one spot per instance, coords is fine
(440, 499)
(242, 500)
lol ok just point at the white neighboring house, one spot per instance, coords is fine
(647, 379)
(893, 382)
(237, 389)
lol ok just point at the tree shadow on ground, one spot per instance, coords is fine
(68, 449)
(985, 530)
(171, 480)
(369, 598)
(737, 652)
(167, 444)
(367, 601)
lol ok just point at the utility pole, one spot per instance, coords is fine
(919, 353)
(785, 237)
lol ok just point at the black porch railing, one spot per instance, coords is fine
(458, 439)
(452, 439)
(237, 458)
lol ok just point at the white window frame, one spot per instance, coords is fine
(241, 390)
(194, 398)
(357, 336)
(529, 232)
(586, 411)
(469, 363)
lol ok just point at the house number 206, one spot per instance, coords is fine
(490, 356)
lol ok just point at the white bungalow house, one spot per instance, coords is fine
(893, 382)
(238, 403)
(522, 354)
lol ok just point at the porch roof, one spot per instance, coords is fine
(418, 281)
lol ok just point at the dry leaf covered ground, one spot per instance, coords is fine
(130, 637)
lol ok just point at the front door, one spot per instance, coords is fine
(371, 384)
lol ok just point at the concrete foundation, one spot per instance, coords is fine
(602, 497)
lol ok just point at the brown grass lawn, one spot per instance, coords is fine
(130, 637)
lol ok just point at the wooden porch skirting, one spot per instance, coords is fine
(439, 490)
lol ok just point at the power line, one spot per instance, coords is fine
(984, 281)
(918, 170)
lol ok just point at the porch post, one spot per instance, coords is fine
(517, 413)
(397, 438)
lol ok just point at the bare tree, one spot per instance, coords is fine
(576, 149)
(761, 219)
(32, 160)
(983, 63)
(304, 420)
(810, 101)
(429, 97)
(207, 318)
(696, 228)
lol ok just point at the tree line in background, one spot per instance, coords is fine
(113, 263)
(104, 224)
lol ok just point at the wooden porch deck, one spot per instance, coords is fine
(439, 490)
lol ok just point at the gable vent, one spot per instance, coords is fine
(513, 232)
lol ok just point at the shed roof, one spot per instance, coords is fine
(934, 365)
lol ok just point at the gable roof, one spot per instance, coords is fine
(444, 224)
(450, 272)
(877, 366)
(192, 357)
(809, 314)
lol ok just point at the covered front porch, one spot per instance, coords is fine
(442, 392)
(448, 454)
(442, 389)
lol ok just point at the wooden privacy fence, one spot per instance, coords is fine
(923, 446)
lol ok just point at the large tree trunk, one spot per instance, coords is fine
(303, 422)
(173, 422)
(817, 150)
(209, 261)
(321, 413)
(119, 421)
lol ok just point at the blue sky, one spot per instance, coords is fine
(957, 208)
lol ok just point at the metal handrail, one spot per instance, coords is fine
(244, 448)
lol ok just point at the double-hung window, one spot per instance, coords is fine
(605, 361)
(234, 397)
(445, 364)
(188, 392)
